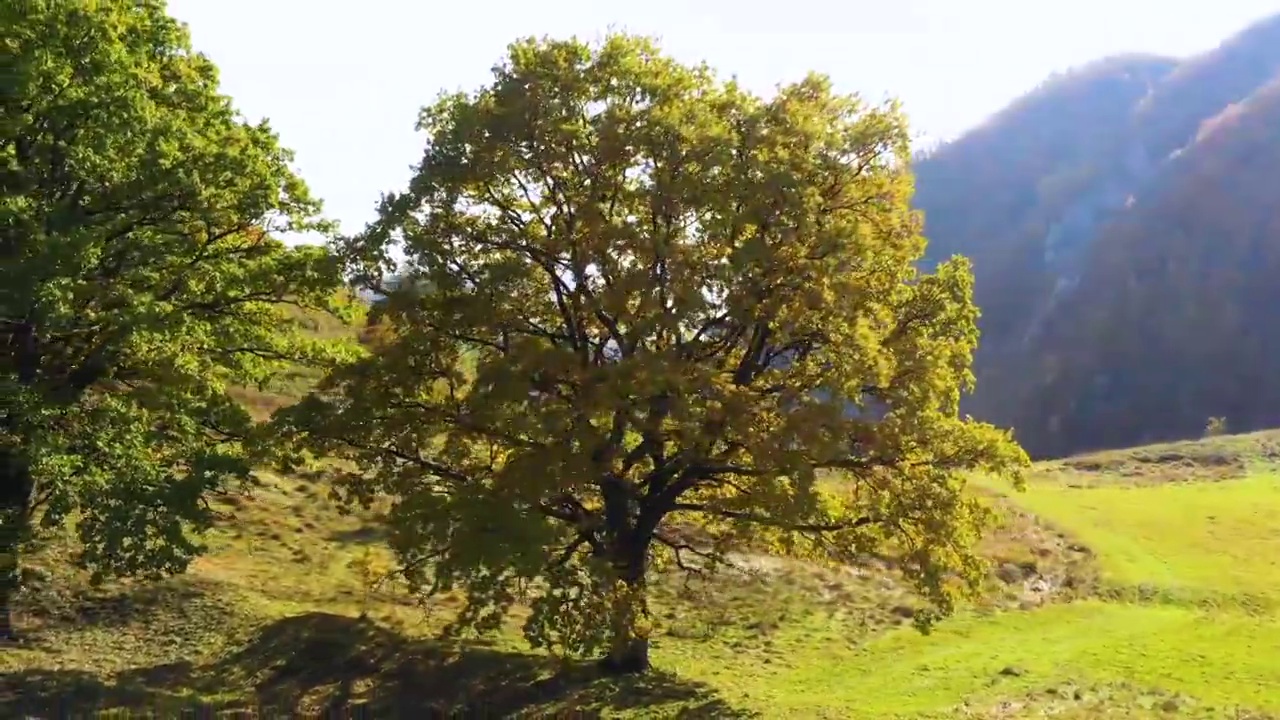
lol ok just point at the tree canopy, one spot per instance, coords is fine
(656, 302)
(140, 279)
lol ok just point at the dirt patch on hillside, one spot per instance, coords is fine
(1086, 701)
(1033, 563)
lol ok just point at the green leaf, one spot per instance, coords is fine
(140, 279)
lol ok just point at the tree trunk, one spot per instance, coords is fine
(6, 614)
(629, 642)
(15, 499)
(629, 655)
(11, 534)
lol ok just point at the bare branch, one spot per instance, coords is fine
(678, 547)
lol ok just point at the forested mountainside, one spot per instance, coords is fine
(1124, 224)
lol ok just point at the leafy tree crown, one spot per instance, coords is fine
(645, 299)
(140, 280)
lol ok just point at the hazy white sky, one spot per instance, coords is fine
(342, 80)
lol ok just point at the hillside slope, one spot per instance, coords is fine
(1173, 321)
(1135, 584)
(1122, 220)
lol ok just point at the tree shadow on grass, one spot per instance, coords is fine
(184, 599)
(363, 535)
(327, 665)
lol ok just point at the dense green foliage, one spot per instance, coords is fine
(1123, 232)
(657, 303)
(138, 282)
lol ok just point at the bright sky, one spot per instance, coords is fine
(342, 80)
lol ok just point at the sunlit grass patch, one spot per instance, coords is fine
(1195, 540)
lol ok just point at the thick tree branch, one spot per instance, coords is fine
(435, 468)
(678, 547)
(766, 521)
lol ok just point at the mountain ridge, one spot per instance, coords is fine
(1070, 198)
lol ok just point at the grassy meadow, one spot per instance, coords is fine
(1139, 584)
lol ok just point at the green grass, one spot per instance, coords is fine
(1198, 540)
(1135, 592)
(1217, 659)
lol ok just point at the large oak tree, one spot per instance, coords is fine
(139, 281)
(636, 299)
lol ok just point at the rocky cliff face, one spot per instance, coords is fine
(1132, 182)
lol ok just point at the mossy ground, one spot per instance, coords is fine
(1136, 584)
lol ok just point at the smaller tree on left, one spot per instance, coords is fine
(140, 280)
